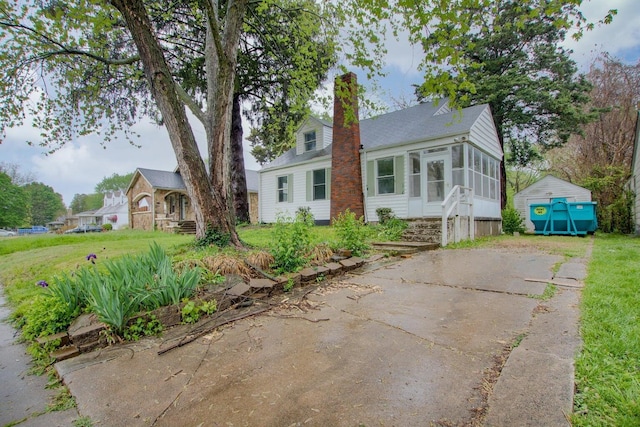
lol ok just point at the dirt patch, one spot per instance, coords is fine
(557, 245)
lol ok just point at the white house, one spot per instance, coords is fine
(634, 181)
(408, 160)
(543, 191)
(114, 210)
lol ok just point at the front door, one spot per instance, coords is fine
(183, 207)
(437, 181)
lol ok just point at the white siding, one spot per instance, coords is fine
(269, 207)
(543, 191)
(323, 134)
(484, 136)
(634, 182)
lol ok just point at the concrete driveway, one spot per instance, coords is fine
(445, 338)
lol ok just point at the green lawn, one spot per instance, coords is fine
(608, 367)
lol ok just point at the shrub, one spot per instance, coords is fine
(384, 214)
(47, 315)
(305, 214)
(512, 221)
(107, 227)
(351, 232)
(213, 237)
(292, 239)
(392, 229)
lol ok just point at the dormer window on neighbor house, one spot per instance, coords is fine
(310, 141)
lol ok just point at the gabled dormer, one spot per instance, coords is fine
(313, 135)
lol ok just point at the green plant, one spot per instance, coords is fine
(213, 237)
(512, 221)
(392, 229)
(83, 422)
(351, 232)
(305, 214)
(549, 291)
(143, 326)
(384, 214)
(47, 315)
(62, 401)
(107, 227)
(291, 242)
(289, 285)
(193, 310)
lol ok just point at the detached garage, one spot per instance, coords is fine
(543, 191)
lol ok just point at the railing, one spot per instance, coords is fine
(459, 199)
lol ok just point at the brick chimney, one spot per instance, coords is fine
(346, 171)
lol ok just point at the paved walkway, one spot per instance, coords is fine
(23, 397)
(425, 341)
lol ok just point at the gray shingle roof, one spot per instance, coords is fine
(413, 124)
(163, 179)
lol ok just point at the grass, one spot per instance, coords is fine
(27, 259)
(608, 367)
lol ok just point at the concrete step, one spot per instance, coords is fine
(405, 247)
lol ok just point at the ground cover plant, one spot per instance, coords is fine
(608, 366)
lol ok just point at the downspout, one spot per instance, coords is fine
(363, 184)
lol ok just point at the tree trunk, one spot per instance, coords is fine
(238, 176)
(208, 206)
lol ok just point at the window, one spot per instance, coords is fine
(457, 164)
(483, 174)
(385, 178)
(319, 184)
(283, 189)
(310, 141)
(414, 175)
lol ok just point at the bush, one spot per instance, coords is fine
(292, 240)
(351, 232)
(384, 215)
(107, 227)
(512, 221)
(47, 315)
(392, 229)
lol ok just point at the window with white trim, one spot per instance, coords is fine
(385, 176)
(310, 140)
(283, 189)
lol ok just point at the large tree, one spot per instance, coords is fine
(45, 204)
(14, 207)
(18, 177)
(86, 202)
(111, 64)
(115, 182)
(513, 60)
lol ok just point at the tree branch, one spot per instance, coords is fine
(191, 103)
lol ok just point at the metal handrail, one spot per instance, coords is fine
(458, 196)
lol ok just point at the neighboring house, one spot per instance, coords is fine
(407, 160)
(158, 199)
(543, 191)
(634, 182)
(114, 210)
(89, 218)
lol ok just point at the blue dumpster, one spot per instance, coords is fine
(562, 217)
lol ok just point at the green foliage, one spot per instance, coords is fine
(305, 214)
(213, 237)
(47, 315)
(289, 285)
(392, 229)
(86, 202)
(107, 227)
(384, 214)
(45, 204)
(291, 242)
(615, 202)
(607, 375)
(351, 232)
(549, 291)
(143, 326)
(114, 182)
(512, 221)
(193, 310)
(14, 207)
(83, 422)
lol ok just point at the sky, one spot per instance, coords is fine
(83, 162)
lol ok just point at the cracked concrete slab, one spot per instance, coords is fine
(406, 344)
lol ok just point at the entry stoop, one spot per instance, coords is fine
(423, 230)
(405, 247)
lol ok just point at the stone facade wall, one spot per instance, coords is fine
(346, 173)
(141, 221)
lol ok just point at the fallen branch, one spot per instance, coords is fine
(556, 282)
(222, 321)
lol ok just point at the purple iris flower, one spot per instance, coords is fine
(42, 283)
(92, 258)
